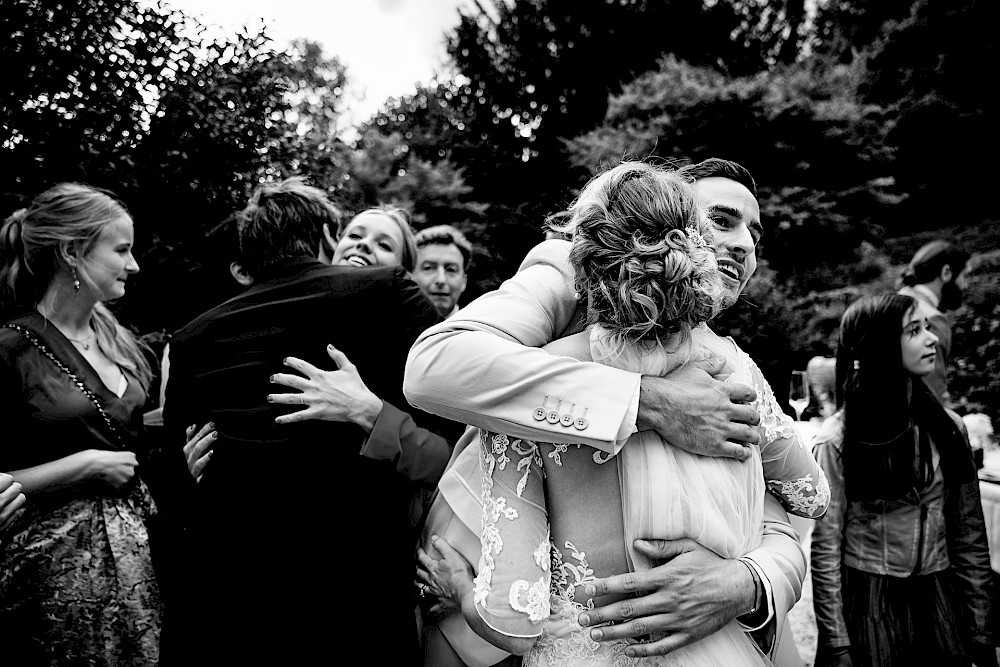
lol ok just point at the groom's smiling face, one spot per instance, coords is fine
(735, 217)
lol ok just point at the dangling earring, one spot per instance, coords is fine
(76, 282)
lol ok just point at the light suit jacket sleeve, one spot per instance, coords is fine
(482, 365)
(782, 560)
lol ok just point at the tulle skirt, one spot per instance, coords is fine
(895, 621)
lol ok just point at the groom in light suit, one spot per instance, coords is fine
(482, 367)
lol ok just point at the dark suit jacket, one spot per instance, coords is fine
(298, 537)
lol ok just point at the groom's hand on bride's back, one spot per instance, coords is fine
(698, 413)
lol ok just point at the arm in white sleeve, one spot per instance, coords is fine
(482, 366)
(781, 562)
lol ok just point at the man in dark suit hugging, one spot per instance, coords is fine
(302, 539)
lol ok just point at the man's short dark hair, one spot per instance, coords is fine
(928, 261)
(283, 221)
(447, 235)
(715, 167)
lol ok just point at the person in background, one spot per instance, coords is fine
(442, 271)
(276, 572)
(342, 395)
(77, 584)
(936, 276)
(900, 564)
(491, 345)
(822, 374)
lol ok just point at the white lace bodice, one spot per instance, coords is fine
(555, 517)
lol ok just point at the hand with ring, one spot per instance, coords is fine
(339, 395)
(445, 574)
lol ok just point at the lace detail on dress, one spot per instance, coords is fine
(581, 574)
(773, 420)
(807, 495)
(558, 450)
(564, 641)
(537, 599)
(494, 455)
(536, 595)
(801, 503)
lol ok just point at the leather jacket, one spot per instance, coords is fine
(923, 533)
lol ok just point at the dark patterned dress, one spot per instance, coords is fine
(76, 579)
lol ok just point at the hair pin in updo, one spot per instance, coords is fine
(695, 236)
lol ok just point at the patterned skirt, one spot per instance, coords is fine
(901, 621)
(77, 585)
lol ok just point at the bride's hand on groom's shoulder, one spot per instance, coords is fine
(693, 410)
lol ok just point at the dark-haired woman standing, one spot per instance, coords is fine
(900, 563)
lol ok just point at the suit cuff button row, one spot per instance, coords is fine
(542, 413)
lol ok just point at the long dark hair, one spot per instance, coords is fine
(887, 409)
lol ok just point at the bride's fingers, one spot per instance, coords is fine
(426, 560)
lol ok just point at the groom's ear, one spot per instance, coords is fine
(240, 274)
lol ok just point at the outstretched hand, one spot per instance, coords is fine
(694, 411)
(692, 595)
(339, 396)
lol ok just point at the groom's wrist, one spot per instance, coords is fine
(754, 602)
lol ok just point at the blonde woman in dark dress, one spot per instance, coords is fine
(77, 585)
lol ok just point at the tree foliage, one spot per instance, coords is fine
(945, 124)
(78, 75)
(813, 148)
(861, 122)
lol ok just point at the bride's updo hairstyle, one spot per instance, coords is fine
(642, 253)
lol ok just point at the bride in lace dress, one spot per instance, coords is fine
(557, 516)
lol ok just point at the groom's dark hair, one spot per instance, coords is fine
(719, 168)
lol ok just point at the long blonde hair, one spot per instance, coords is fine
(32, 242)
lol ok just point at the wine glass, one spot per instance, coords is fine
(798, 393)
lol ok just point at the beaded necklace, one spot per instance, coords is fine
(72, 376)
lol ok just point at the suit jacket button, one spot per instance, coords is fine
(581, 423)
(539, 414)
(552, 417)
(566, 420)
